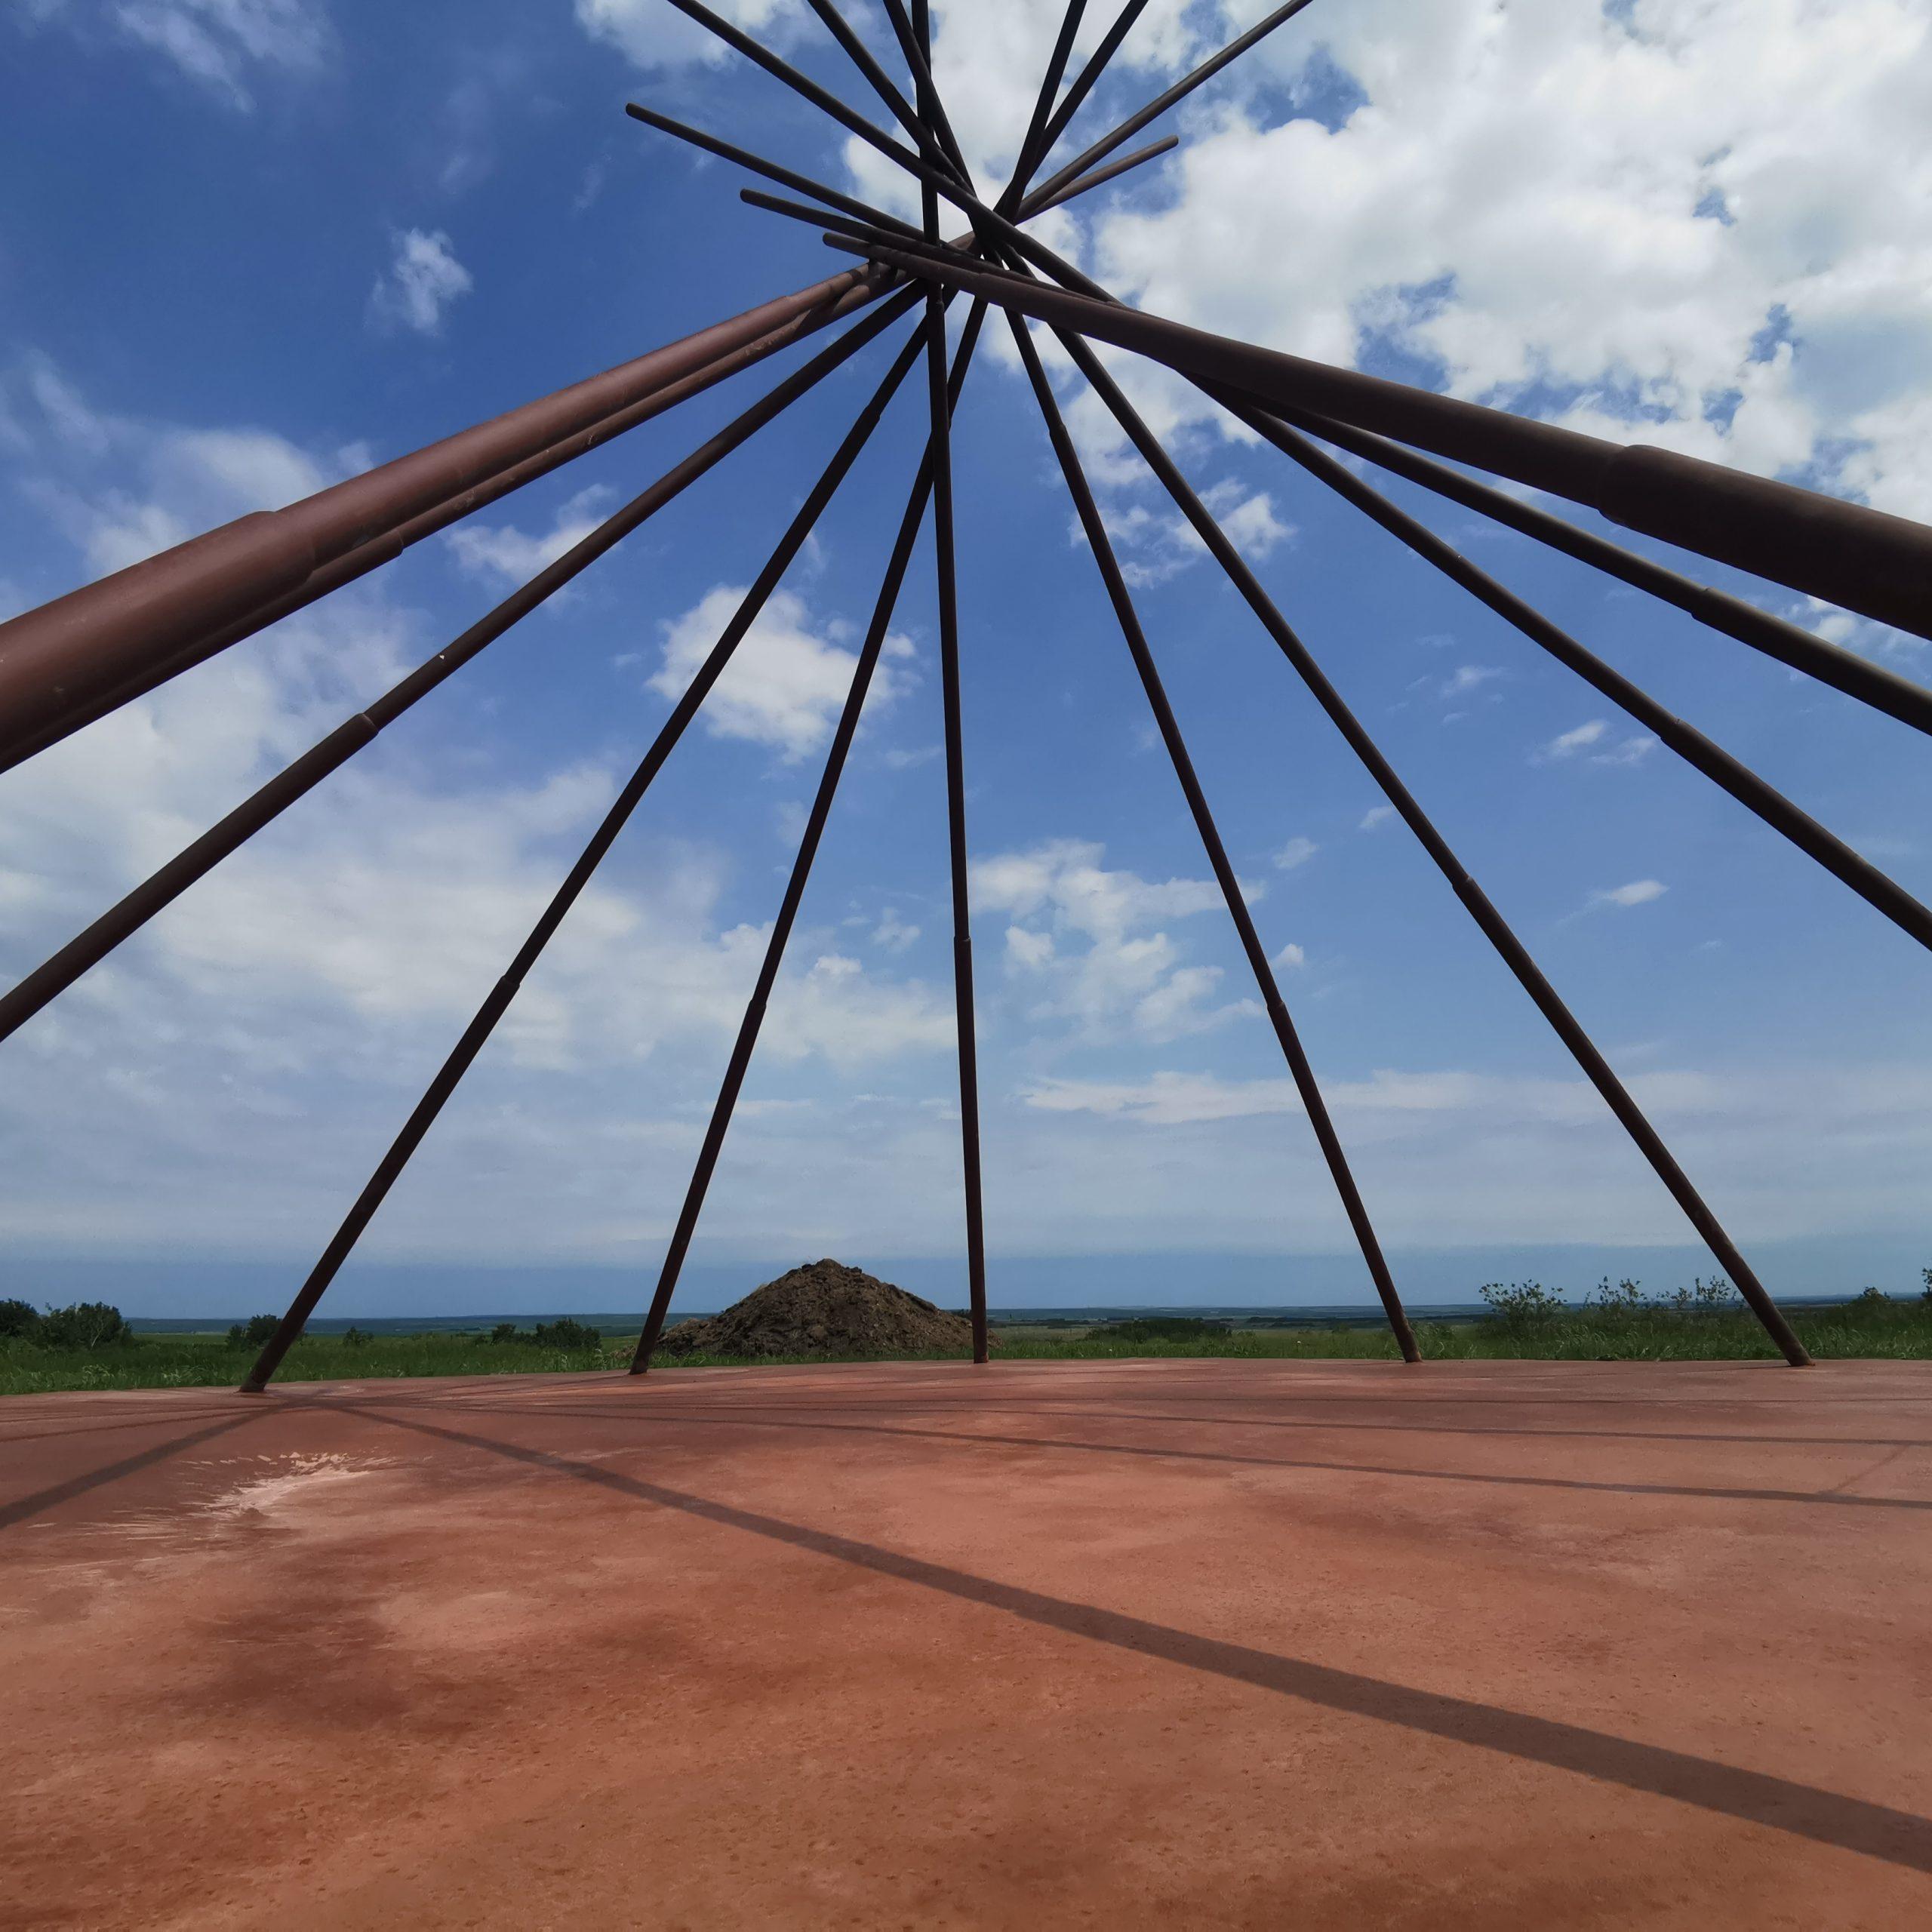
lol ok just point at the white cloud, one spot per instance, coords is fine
(1296, 852)
(513, 556)
(1467, 677)
(1639, 892)
(786, 683)
(653, 35)
(1291, 956)
(218, 43)
(422, 281)
(1591, 740)
(1704, 223)
(1375, 815)
(1566, 744)
(892, 933)
(1086, 945)
(119, 488)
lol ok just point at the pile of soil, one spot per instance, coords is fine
(825, 1308)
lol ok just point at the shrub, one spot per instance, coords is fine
(356, 1338)
(563, 1332)
(261, 1328)
(1627, 1299)
(1715, 1297)
(504, 1331)
(1162, 1328)
(1524, 1306)
(19, 1320)
(87, 1324)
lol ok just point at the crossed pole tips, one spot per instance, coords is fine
(83, 655)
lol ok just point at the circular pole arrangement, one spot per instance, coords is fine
(84, 655)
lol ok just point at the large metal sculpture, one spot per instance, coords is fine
(83, 655)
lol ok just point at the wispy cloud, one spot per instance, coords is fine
(421, 281)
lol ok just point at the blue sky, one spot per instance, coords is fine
(248, 247)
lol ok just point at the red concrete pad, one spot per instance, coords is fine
(1193, 1643)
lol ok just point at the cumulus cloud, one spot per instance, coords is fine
(512, 556)
(421, 281)
(1296, 852)
(653, 35)
(1639, 892)
(221, 43)
(787, 681)
(1686, 220)
(1088, 944)
(1592, 742)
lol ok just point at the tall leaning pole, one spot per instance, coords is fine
(82, 656)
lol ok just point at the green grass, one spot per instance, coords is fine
(1872, 1329)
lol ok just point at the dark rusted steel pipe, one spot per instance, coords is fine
(1043, 106)
(1292, 1049)
(195, 861)
(57, 662)
(1084, 83)
(359, 562)
(795, 889)
(939, 410)
(1832, 664)
(474, 1036)
(1494, 927)
(1844, 670)
(1184, 86)
(1873, 886)
(1862, 559)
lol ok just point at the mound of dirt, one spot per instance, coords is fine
(825, 1308)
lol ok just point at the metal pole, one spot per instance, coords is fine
(875, 76)
(1735, 777)
(1306, 1084)
(1155, 109)
(940, 410)
(86, 948)
(914, 38)
(1043, 106)
(795, 889)
(1844, 670)
(1083, 83)
(365, 557)
(1743, 784)
(58, 663)
(1515, 956)
(389, 1169)
(1862, 559)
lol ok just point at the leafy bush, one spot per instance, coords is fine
(19, 1320)
(1524, 1307)
(356, 1338)
(504, 1331)
(563, 1332)
(87, 1324)
(1161, 1328)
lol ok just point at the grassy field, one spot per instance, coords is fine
(1531, 1327)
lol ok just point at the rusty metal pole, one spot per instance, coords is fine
(1844, 670)
(61, 664)
(1495, 928)
(195, 861)
(1862, 559)
(1056, 123)
(1024, 160)
(1155, 107)
(1883, 893)
(389, 1169)
(939, 407)
(795, 889)
(1292, 1049)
